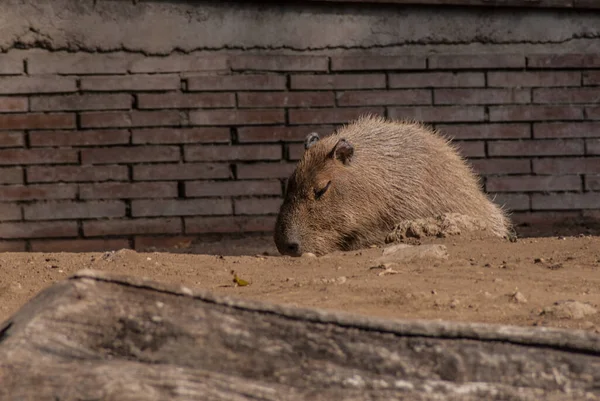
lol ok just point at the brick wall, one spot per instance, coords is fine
(102, 151)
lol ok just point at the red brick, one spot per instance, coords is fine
(592, 182)
(592, 113)
(591, 78)
(12, 246)
(11, 63)
(152, 243)
(46, 84)
(383, 97)
(180, 135)
(179, 63)
(73, 210)
(565, 201)
(10, 211)
(107, 119)
(13, 104)
(501, 166)
(285, 99)
(186, 207)
(76, 173)
(96, 228)
(232, 188)
(11, 139)
(437, 80)
(187, 171)
(245, 152)
(33, 192)
(438, 114)
(470, 148)
(236, 82)
(295, 151)
(279, 63)
(276, 134)
(38, 229)
(592, 146)
(550, 147)
(265, 170)
(140, 82)
(257, 206)
(571, 165)
(535, 113)
(566, 95)
(128, 190)
(481, 96)
(229, 224)
(542, 219)
(130, 154)
(78, 63)
(185, 100)
(475, 61)
(563, 60)
(237, 117)
(11, 175)
(37, 121)
(536, 183)
(329, 116)
(566, 130)
(78, 138)
(38, 156)
(484, 131)
(79, 245)
(533, 78)
(376, 62)
(512, 201)
(338, 81)
(81, 102)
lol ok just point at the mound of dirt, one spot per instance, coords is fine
(441, 226)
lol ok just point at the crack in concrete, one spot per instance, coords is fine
(46, 44)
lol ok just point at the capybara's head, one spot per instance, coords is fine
(315, 215)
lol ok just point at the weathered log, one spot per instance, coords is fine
(103, 337)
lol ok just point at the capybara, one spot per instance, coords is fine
(350, 188)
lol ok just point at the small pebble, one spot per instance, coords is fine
(519, 298)
(309, 255)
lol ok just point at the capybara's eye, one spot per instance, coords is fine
(320, 192)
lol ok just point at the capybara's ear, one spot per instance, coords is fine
(343, 151)
(310, 140)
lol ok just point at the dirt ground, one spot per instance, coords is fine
(477, 282)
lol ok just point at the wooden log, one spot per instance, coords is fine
(104, 337)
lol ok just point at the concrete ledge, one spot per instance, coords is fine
(572, 4)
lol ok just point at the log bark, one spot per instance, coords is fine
(104, 337)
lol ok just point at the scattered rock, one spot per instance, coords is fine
(587, 325)
(454, 303)
(309, 255)
(388, 270)
(382, 266)
(335, 280)
(518, 297)
(555, 266)
(569, 310)
(408, 253)
(538, 260)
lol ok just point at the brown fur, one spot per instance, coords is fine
(397, 171)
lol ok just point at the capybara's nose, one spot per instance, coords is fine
(292, 248)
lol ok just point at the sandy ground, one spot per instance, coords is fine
(477, 282)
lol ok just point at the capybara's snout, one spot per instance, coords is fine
(286, 241)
